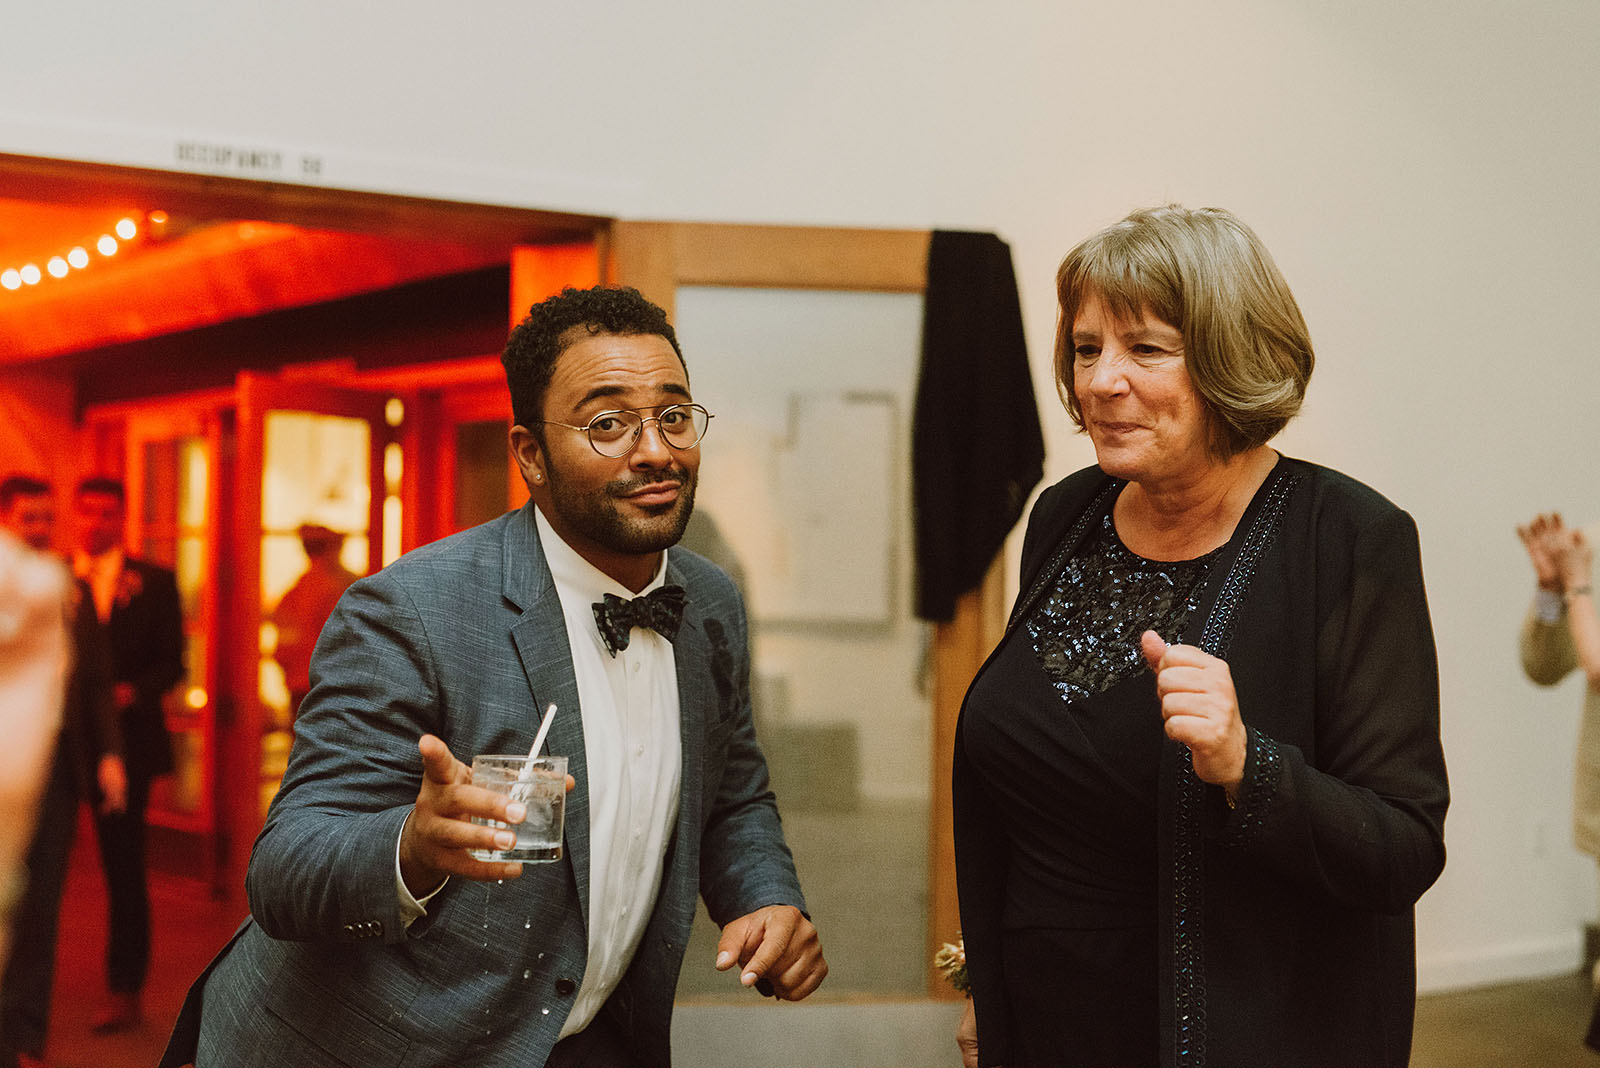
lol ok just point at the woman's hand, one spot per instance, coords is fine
(967, 1037)
(1544, 539)
(1574, 557)
(1200, 708)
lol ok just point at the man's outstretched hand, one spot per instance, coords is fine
(440, 831)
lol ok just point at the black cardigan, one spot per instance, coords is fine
(1287, 933)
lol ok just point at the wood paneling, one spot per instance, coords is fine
(959, 650)
(800, 257)
(642, 255)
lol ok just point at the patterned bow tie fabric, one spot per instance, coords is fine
(661, 610)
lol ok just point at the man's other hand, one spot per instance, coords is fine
(778, 944)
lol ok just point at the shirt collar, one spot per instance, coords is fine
(579, 578)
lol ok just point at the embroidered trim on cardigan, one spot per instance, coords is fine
(1188, 875)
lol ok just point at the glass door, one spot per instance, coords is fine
(319, 467)
(171, 471)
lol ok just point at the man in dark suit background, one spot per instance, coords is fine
(137, 602)
(85, 765)
(375, 937)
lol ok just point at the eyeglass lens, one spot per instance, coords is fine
(615, 433)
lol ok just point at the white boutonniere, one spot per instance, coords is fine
(951, 960)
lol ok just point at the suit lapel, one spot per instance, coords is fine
(540, 636)
(691, 655)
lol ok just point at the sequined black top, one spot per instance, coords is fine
(1065, 731)
(1085, 633)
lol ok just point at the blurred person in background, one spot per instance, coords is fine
(303, 610)
(86, 765)
(1561, 634)
(34, 592)
(137, 602)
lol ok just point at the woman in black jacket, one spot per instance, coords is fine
(1199, 785)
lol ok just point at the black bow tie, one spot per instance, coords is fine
(661, 610)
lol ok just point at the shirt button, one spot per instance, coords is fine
(636, 667)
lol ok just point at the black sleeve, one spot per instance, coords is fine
(1362, 826)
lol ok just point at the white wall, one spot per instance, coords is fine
(1423, 171)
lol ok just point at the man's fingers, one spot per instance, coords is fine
(801, 976)
(779, 928)
(738, 942)
(457, 862)
(446, 834)
(437, 763)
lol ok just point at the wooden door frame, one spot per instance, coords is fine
(659, 257)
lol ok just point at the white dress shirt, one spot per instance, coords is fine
(634, 763)
(635, 760)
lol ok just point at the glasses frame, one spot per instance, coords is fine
(633, 442)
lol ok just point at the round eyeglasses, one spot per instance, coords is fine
(616, 434)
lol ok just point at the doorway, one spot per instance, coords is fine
(221, 485)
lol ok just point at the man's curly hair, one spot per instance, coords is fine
(537, 342)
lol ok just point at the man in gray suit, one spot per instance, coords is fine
(375, 937)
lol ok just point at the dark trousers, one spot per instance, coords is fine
(600, 1045)
(122, 840)
(30, 973)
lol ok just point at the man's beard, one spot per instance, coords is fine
(597, 516)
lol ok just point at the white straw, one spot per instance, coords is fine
(523, 787)
(538, 740)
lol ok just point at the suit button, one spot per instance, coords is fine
(565, 987)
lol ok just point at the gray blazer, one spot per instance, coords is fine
(465, 638)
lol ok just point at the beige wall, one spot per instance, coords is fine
(1423, 172)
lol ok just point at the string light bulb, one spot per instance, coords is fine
(149, 226)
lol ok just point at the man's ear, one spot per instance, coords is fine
(529, 454)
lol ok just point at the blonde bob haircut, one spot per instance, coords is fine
(1205, 273)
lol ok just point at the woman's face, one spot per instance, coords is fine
(1141, 409)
